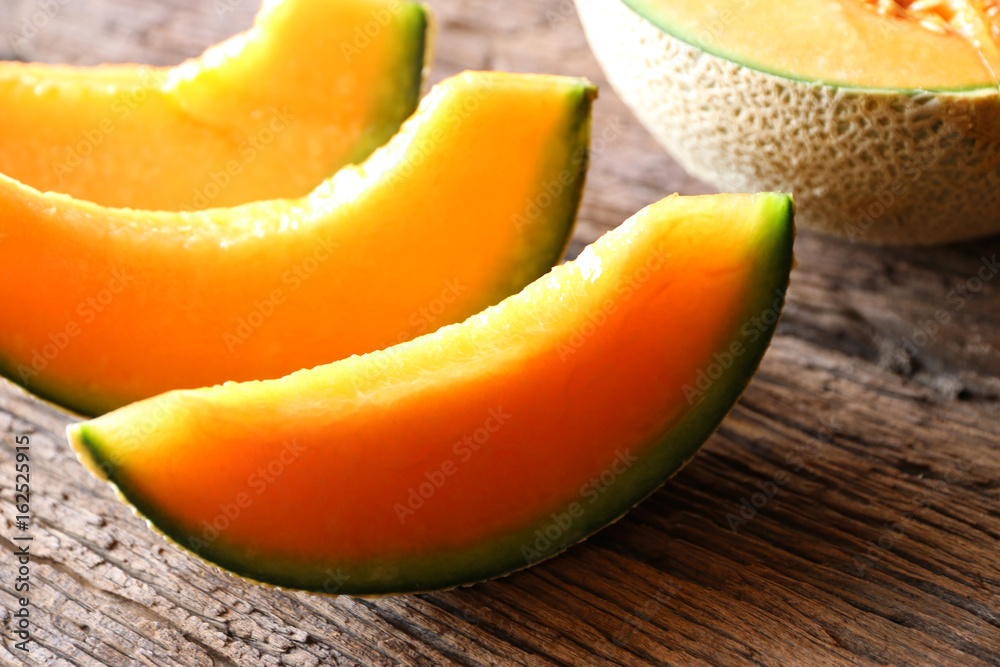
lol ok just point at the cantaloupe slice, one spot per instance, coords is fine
(483, 447)
(471, 201)
(883, 118)
(314, 85)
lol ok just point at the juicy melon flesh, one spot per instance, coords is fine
(471, 201)
(535, 422)
(842, 42)
(267, 114)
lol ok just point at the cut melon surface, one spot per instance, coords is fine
(485, 446)
(475, 198)
(846, 43)
(269, 113)
(885, 131)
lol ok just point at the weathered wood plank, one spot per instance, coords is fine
(868, 444)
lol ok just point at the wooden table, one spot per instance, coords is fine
(880, 548)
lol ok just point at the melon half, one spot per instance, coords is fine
(883, 118)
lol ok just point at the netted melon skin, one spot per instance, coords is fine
(875, 166)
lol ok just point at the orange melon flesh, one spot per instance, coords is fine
(471, 201)
(480, 448)
(840, 42)
(267, 114)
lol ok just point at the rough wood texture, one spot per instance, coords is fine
(879, 546)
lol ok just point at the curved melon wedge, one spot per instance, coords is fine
(485, 446)
(266, 114)
(471, 201)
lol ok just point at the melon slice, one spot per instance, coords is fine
(471, 201)
(483, 447)
(270, 113)
(883, 118)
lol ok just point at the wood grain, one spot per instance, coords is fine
(871, 446)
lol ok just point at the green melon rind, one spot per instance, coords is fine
(406, 85)
(514, 551)
(548, 236)
(543, 245)
(649, 11)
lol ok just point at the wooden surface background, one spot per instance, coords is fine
(881, 547)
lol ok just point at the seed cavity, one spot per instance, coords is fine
(961, 17)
